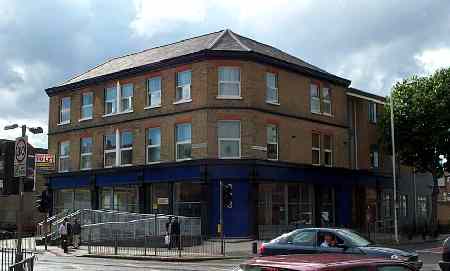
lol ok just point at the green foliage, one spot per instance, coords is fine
(422, 120)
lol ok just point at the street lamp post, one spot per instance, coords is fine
(34, 130)
(394, 176)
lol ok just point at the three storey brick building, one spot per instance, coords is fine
(296, 143)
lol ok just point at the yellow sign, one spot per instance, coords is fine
(219, 228)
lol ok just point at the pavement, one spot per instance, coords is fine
(237, 252)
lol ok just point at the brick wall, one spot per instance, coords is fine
(293, 117)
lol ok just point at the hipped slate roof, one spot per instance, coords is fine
(224, 43)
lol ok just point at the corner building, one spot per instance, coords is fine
(173, 121)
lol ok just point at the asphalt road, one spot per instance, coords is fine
(429, 253)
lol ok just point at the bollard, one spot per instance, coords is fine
(255, 247)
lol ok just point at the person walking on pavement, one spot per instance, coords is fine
(168, 237)
(63, 232)
(176, 233)
(76, 234)
(69, 233)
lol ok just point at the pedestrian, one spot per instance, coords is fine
(63, 232)
(76, 229)
(69, 234)
(176, 233)
(168, 237)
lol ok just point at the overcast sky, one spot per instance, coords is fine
(372, 43)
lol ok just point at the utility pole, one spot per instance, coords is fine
(394, 176)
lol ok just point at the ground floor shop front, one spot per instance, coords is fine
(266, 196)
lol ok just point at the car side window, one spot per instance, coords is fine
(303, 238)
(393, 268)
(332, 239)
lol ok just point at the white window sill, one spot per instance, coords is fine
(126, 165)
(316, 113)
(153, 106)
(63, 123)
(84, 119)
(185, 159)
(83, 169)
(118, 113)
(228, 158)
(328, 114)
(108, 166)
(154, 162)
(273, 103)
(63, 171)
(229, 97)
(316, 165)
(271, 159)
(183, 101)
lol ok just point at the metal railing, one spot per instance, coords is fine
(25, 265)
(180, 246)
(8, 257)
(105, 222)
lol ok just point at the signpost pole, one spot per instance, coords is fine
(20, 214)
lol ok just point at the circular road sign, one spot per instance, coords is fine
(21, 150)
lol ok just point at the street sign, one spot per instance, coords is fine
(20, 157)
(44, 162)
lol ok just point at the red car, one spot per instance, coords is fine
(324, 262)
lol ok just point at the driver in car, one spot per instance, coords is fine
(329, 241)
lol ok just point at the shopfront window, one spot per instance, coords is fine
(123, 199)
(188, 197)
(300, 204)
(160, 190)
(325, 199)
(67, 200)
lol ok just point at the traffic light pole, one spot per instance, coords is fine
(19, 255)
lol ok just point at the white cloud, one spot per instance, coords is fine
(154, 17)
(432, 59)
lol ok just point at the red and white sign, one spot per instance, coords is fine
(44, 162)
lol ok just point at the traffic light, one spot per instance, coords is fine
(228, 196)
(43, 202)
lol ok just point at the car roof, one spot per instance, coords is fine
(310, 262)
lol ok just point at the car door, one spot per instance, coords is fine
(302, 242)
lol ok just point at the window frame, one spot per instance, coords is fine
(219, 139)
(66, 156)
(105, 151)
(316, 149)
(374, 157)
(127, 98)
(314, 98)
(148, 146)
(149, 99)
(182, 87)
(63, 110)
(122, 149)
(82, 154)
(182, 142)
(220, 82)
(112, 101)
(268, 126)
(326, 101)
(330, 151)
(275, 89)
(83, 106)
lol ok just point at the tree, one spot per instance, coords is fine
(422, 122)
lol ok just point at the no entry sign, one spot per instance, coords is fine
(20, 157)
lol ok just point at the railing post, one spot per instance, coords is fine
(89, 241)
(115, 244)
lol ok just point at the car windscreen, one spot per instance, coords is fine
(354, 238)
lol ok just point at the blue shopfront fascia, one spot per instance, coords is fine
(240, 173)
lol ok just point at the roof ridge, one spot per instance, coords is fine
(142, 51)
(237, 40)
(214, 42)
(273, 47)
